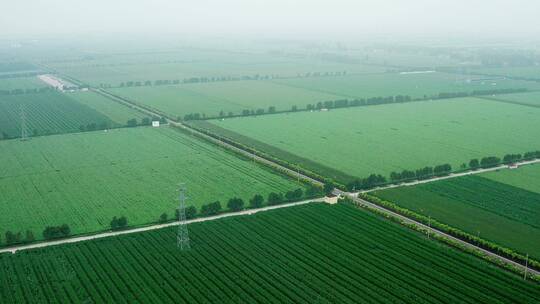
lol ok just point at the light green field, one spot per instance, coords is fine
(54, 112)
(421, 85)
(118, 113)
(527, 99)
(526, 177)
(231, 96)
(85, 179)
(502, 206)
(381, 139)
(21, 83)
(177, 65)
(529, 72)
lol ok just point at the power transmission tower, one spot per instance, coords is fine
(24, 131)
(182, 238)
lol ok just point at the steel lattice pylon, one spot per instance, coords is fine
(24, 132)
(182, 238)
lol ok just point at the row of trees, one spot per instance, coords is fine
(131, 123)
(257, 201)
(55, 232)
(205, 79)
(492, 161)
(343, 103)
(421, 173)
(26, 91)
(16, 238)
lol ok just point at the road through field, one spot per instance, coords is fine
(295, 174)
(354, 197)
(452, 175)
(152, 227)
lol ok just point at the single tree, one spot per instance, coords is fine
(235, 204)
(257, 201)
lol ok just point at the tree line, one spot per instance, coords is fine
(237, 204)
(375, 180)
(26, 91)
(344, 103)
(205, 79)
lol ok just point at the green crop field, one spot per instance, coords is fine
(314, 253)
(21, 83)
(503, 207)
(232, 96)
(118, 113)
(526, 177)
(54, 112)
(384, 138)
(114, 69)
(526, 99)
(46, 113)
(529, 72)
(421, 85)
(85, 179)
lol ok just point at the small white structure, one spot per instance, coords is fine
(155, 123)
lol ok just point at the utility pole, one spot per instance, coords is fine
(24, 131)
(182, 237)
(429, 225)
(526, 267)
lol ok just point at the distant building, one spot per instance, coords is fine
(155, 123)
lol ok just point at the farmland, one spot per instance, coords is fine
(115, 69)
(21, 83)
(212, 98)
(85, 179)
(416, 85)
(503, 207)
(355, 142)
(306, 254)
(526, 99)
(46, 113)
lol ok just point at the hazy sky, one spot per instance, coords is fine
(272, 17)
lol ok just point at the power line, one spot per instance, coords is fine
(182, 237)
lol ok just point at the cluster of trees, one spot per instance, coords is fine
(16, 238)
(118, 223)
(55, 232)
(365, 183)
(26, 91)
(421, 173)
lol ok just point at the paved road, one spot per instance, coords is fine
(148, 228)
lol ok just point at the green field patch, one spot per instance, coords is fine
(21, 83)
(306, 254)
(85, 179)
(385, 138)
(421, 85)
(232, 96)
(526, 177)
(46, 113)
(495, 211)
(526, 99)
(117, 112)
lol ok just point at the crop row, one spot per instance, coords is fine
(305, 254)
